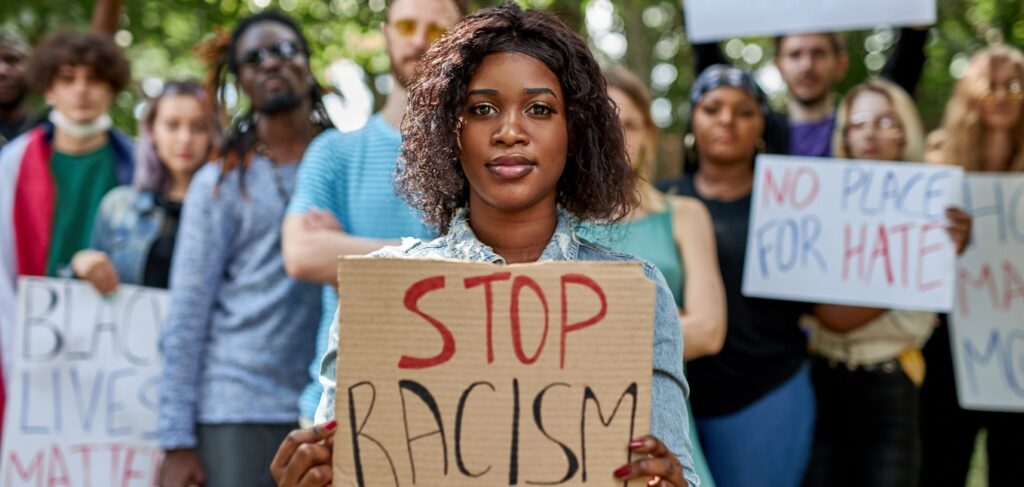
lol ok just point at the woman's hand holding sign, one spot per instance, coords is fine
(304, 458)
(660, 466)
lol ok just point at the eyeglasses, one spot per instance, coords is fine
(408, 27)
(282, 50)
(1014, 91)
(886, 125)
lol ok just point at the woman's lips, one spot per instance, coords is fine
(513, 167)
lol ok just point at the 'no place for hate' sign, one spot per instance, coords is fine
(82, 392)
(860, 233)
(455, 373)
(712, 20)
(987, 326)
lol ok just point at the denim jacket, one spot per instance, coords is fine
(669, 388)
(127, 223)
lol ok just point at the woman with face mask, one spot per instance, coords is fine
(867, 364)
(53, 177)
(982, 131)
(133, 238)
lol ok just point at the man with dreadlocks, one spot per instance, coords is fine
(239, 330)
(345, 202)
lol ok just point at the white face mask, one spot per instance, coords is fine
(80, 130)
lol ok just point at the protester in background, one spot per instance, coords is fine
(753, 401)
(345, 202)
(982, 130)
(53, 177)
(867, 363)
(239, 329)
(14, 111)
(812, 65)
(137, 225)
(672, 232)
(509, 134)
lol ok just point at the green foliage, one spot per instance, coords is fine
(159, 36)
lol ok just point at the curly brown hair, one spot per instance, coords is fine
(597, 183)
(66, 48)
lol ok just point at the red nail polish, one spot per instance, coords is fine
(331, 425)
(622, 471)
(633, 445)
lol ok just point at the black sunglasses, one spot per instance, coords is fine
(282, 50)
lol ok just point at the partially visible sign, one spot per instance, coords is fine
(712, 20)
(987, 326)
(861, 233)
(82, 395)
(471, 374)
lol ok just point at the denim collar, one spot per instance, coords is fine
(464, 245)
(145, 202)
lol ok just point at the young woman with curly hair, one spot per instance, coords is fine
(510, 139)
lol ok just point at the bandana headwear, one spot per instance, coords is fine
(721, 75)
(80, 130)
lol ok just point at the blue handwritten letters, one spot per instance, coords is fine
(851, 232)
(82, 396)
(987, 325)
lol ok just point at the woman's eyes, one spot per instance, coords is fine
(483, 109)
(540, 109)
(742, 112)
(536, 109)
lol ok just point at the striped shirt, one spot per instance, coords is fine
(351, 175)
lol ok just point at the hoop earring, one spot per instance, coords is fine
(759, 146)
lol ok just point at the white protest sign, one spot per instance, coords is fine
(712, 20)
(987, 325)
(82, 392)
(862, 233)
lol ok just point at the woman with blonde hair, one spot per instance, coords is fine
(672, 232)
(982, 130)
(867, 363)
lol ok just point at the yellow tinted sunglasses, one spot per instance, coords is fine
(408, 28)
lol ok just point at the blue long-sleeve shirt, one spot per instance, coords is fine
(239, 331)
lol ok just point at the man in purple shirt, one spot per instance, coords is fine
(811, 66)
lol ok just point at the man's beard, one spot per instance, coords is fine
(284, 102)
(813, 100)
(16, 100)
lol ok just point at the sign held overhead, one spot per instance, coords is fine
(713, 20)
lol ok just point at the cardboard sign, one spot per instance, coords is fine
(82, 394)
(987, 326)
(712, 20)
(861, 233)
(454, 373)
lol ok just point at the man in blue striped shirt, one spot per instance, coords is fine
(345, 202)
